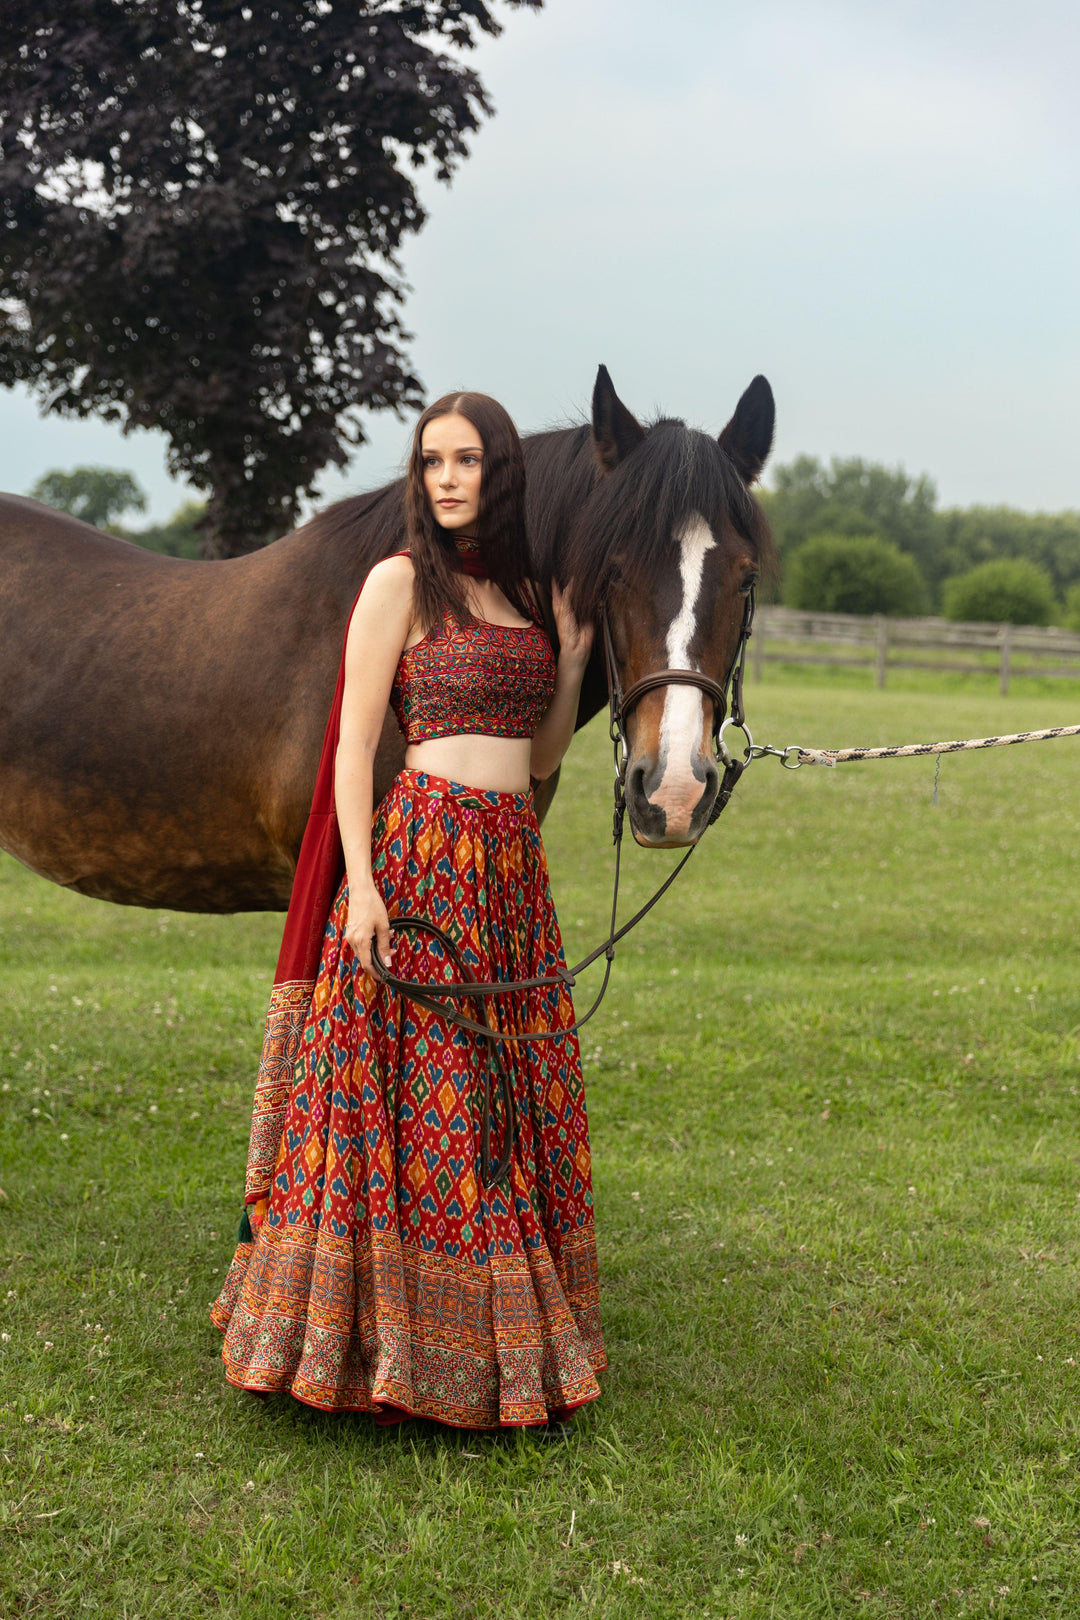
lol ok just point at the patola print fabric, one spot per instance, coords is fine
(384, 1278)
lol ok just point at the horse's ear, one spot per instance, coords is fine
(748, 436)
(615, 429)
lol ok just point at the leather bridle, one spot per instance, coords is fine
(434, 997)
(620, 704)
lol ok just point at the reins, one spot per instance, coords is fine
(433, 997)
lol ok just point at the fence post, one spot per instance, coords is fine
(881, 639)
(1006, 658)
(758, 646)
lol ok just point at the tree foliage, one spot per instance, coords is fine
(978, 534)
(97, 495)
(854, 573)
(854, 497)
(863, 497)
(1007, 590)
(202, 207)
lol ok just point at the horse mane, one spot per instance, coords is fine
(585, 519)
(674, 472)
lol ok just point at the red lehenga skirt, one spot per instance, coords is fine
(385, 1278)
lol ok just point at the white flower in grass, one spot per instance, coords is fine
(740, 1541)
(5, 1338)
(199, 1456)
(249, 1485)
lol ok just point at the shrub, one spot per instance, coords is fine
(855, 573)
(1072, 606)
(1008, 590)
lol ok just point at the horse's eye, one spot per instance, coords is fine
(748, 582)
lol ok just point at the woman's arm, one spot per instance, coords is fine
(380, 627)
(552, 736)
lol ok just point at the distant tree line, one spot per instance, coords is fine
(859, 537)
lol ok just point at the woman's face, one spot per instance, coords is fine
(453, 457)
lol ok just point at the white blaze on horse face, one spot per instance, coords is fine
(683, 720)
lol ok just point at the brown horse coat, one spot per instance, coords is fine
(160, 720)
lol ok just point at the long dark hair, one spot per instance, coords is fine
(501, 534)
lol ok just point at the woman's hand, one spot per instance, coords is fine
(575, 640)
(367, 920)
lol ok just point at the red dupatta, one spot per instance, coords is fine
(320, 868)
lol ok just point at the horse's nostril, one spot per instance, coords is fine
(646, 816)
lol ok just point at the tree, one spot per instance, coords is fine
(202, 207)
(978, 534)
(856, 573)
(855, 497)
(98, 495)
(1008, 590)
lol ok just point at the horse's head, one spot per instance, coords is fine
(670, 542)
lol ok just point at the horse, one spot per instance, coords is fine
(161, 719)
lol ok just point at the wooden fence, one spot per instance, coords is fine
(781, 635)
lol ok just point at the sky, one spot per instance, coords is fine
(876, 206)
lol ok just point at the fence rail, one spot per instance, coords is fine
(880, 643)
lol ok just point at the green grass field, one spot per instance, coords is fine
(833, 1095)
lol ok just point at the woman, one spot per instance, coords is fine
(380, 1272)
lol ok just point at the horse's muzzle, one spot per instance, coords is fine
(666, 815)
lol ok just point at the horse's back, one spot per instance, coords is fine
(150, 704)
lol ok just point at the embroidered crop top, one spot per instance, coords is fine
(492, 679)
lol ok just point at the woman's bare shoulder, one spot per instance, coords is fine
(389, 585)
(396, 570)
(384, 608)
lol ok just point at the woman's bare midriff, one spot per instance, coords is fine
(498, 764)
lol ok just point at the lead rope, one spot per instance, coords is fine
(794, 755)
